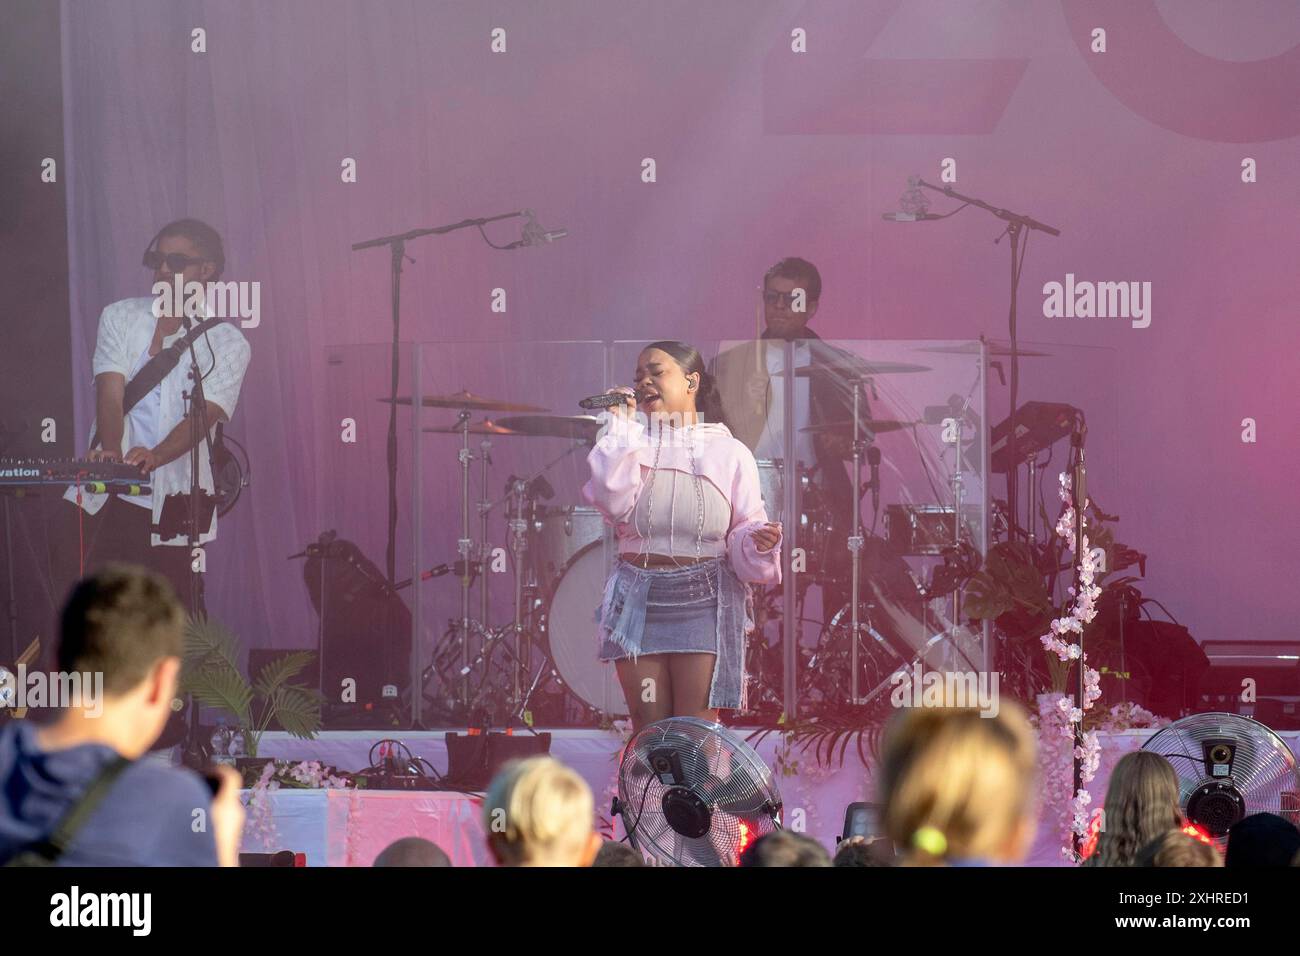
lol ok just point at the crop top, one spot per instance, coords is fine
(620, 462)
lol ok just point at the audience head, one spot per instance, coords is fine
(784, 848)
(1141, 806)
(125, 624)
(538, 812)
(613, 853)
(1262, 839)
(412, 851)
(958, 786)
(857, 851)
(1176, 848)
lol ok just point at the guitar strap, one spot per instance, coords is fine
(158, 368)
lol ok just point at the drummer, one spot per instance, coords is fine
(752, 392)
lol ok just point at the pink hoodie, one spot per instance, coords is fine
(625, 446)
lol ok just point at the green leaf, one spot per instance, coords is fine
(277, 672)
(208, 641)
(220, 686)
(298, 711)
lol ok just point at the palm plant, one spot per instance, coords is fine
(211, 673)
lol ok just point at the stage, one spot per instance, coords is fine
(350, 827)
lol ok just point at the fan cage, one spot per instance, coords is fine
(692, 793)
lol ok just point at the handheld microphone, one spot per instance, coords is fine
(608, 400)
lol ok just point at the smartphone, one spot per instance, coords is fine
(213, 781)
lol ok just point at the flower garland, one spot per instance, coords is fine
(1060, 642)
(260, 829)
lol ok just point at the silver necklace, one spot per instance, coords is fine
(699, 499)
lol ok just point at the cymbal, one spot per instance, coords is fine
(465, 399)
(580, 427)
(973, 348)
(861, 368)
(485, 427)
(875, 426)
(830, 358)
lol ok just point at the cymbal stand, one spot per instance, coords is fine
(958, 493)
(1032, 462)
(519, 523)
(856, 538)
(521, 503)
(485, 548)
(464, 547)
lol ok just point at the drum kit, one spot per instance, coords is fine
(560, 556)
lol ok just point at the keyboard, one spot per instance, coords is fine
(95, 476)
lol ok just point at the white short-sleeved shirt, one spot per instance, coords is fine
(143, 422)
(771, 442)
(126, 329)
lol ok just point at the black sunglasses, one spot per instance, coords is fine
(772, 298)
(175, 261)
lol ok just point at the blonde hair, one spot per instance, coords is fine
(1141, 804)
(539, 812)
(956, 785)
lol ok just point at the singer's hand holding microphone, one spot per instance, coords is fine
(627, 408)
(610, 400)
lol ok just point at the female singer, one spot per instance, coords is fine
(687, 510)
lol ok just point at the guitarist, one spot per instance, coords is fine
(141, 410)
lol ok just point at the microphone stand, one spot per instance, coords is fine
(197, 415)
(1017, 223)
(397, 250)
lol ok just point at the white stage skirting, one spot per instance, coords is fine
(349, 828)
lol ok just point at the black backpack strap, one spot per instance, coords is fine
(46, 851)
(158, 368)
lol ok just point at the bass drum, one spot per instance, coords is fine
(573, 629)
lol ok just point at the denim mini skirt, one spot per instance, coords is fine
(700, 608)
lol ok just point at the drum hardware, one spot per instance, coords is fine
(867, 648)
(855, 533)
(485, 427)
(815, 521)
(875, 426)
(460, 631)
(504, 660)
(467, 401)
(583, 428)
(974, 348)
(923, 530)
(827, 360)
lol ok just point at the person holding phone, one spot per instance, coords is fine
(75, 791)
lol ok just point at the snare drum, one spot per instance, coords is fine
(921, 530)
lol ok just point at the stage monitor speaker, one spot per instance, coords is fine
(365, 628)
(474, 759)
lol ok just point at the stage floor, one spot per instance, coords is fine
(349, 828)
